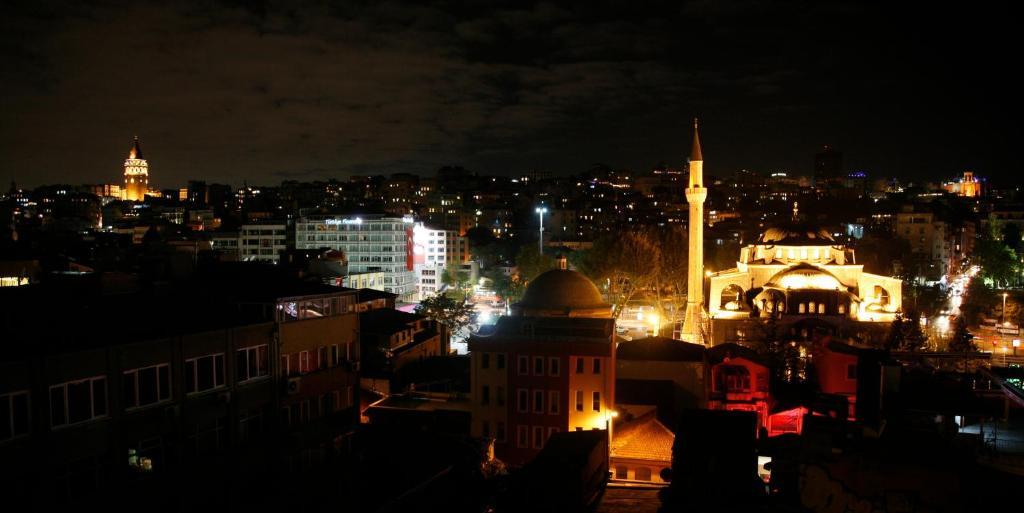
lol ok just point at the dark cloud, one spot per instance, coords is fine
(260, 91)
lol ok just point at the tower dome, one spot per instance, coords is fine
(562, 293)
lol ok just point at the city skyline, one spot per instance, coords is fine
(261, 94)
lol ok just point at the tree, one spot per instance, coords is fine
(962, 341)
(530, 263)
(649, 263)
(997, 260)
(905, 334)
(453, 313)
(456, 278)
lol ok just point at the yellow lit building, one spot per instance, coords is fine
(136, 174)
(805, 280)
(547, 368)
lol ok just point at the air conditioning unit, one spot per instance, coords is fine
(293, 386)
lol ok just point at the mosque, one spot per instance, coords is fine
(806, 281)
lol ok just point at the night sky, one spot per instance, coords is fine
(267, 91)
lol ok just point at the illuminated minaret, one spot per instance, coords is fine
(136, 174)
(696, 193)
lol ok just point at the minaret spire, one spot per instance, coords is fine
(696, 193)
(695, 153)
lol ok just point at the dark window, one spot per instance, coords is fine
(523, 400)
(554, 366)
(204, 373)
(538, 366)
(597, 365)
(500, 432)
(579, 400)
(485, 361)
(597, 401)
(579, 365)
(621, 472)
(501, 361)
(851, 371)
(13, 415)
(57, 405)
(538, 401)
(524, 365)
(501, 396)
(485, 395)
(643, 474)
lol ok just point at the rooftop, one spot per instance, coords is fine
(660, 349)
(643, 438)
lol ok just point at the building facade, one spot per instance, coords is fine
(371, 243)
(548, 368)
(804, 281)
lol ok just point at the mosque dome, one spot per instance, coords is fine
(562, 292)
(797, 235)
(804, 276)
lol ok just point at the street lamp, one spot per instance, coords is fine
(540, 235)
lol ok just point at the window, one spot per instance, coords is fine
(643, 474)
(538, 365)
(304, 365)
(733, 378)
(538, 437)
(78, 401)
(522, 400)
(250, 424)
(579, 365)
(251, 363)
(597, 365)
(500, 396)
(14, 415)
(321, 361)
(206, 437)
(485, 395)
(524, 365)
(304, 411)
(522, 436)
(552, 430)
(579, 400)
(286, 365)
(851, 371)
(485, 429)
(501, 361)
(147, 385)
(538, 401)
(336, 400)
(621, 472)
(204, 373)
(335, 355)
(485, 361)
(554, 398)
(499, 432)
(554, 366)
(597, 401)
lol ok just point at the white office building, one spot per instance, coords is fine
(374, 243)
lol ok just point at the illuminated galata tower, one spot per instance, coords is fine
(696, 193)
(136, 174)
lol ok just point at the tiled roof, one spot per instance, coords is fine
(643, 438)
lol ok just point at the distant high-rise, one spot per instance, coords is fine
(828, 166)
(136, 174)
